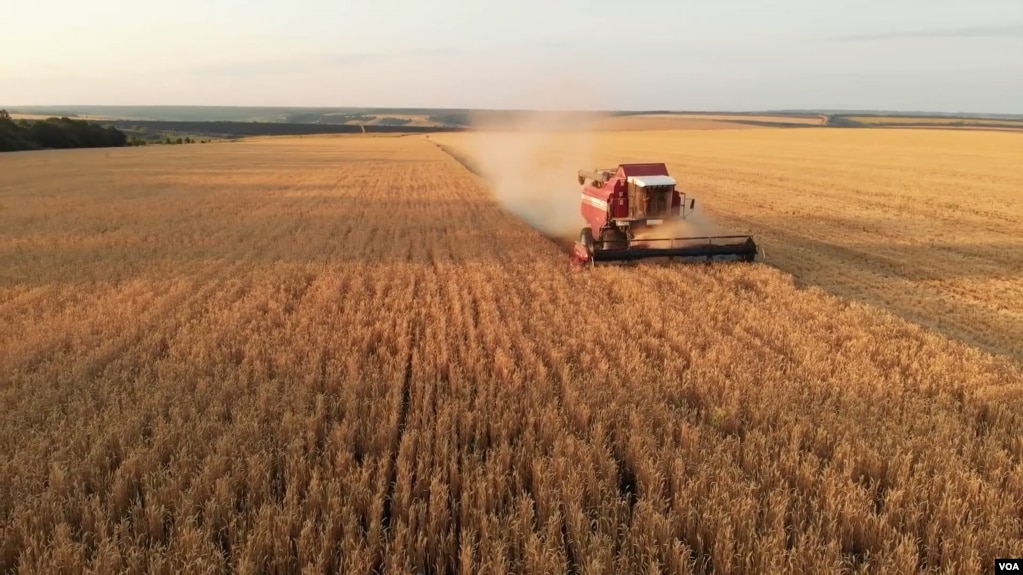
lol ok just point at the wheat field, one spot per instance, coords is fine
(927, 224)
(343, 355)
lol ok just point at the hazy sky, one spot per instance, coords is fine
(933, 55)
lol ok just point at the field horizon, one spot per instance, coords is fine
(145, 125)
(455, 116)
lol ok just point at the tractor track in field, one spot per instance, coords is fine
(405, 402)
(466, 163)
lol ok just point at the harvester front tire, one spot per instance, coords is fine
(615, 239)
(586, 239)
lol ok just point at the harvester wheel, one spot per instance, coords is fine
(750, 256)
(615, 239)
(586, 239)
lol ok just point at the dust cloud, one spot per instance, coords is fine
(530, 161)
(696, 224)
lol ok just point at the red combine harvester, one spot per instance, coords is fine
(633, 212)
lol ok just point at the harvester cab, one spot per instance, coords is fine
(636, 211)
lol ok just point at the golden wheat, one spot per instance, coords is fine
(341, 355)
(926, 224)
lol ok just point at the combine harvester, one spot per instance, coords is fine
(633, 213)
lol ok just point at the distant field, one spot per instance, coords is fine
(605, 122)
(410, 120)
(666, 122)
(934, 121)
(928, 123)
(647, 122)
(781, 119)
(660, 121)
(419, 120)
(19, 116)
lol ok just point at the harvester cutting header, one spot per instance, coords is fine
(629, 211)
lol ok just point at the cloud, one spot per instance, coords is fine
(1006, 31)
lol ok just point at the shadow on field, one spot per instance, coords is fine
(881, 254)
(902, 278)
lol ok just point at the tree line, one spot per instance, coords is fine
(229, 129)
(56, 133)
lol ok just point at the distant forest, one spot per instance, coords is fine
(219, 129)
(55, 133)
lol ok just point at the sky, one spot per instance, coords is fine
(910, 55)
